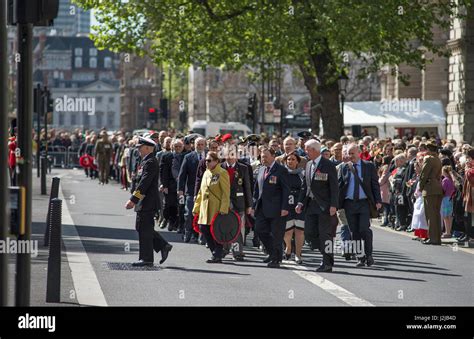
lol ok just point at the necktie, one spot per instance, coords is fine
(356, 183)
(200, 157)
(265, 174)
(314, 169)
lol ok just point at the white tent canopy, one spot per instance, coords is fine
(391, 114)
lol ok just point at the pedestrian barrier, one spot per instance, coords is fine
(54, 194)
(72, 160)
(58, 155)
(53, 285)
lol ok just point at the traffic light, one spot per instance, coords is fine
(152, 114)
(38, 12)
(164, 108)
(49, 101)
(252, 107)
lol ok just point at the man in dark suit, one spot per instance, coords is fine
(240, 195)
(145, 199)
(355, 193)
(320, 201)
(178, 158)
(170, 187)
(187, 181)
(270, 206)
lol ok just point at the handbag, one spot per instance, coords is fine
(374, 213)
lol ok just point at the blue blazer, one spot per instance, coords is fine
(271, 194)
(187, 173)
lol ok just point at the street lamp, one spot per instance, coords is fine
(342, 84)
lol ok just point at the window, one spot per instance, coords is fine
(73, 118)
(85, 119)
(111, 100)
(99, 119)
(78, 51)
(93, 62)
(61, 119)
(108, 62)
(92, 52)
(98, 100)
(78, 62)
(110, 119)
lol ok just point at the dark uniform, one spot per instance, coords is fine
(145, 198)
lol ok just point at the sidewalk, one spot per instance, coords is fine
(39, 264)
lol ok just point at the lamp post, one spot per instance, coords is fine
(342, 84)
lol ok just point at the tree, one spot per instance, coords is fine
(315, 35)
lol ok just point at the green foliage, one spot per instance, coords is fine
(239, 32)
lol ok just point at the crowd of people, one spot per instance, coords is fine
(293, 191)
(287, 196)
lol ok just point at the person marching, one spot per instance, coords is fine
(319, 202)
(145, 201)
(240, 195)
(213, 197)
(295, 222)
(357, 193)
(271, 206)
(103, 156)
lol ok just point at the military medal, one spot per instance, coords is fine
(273, 179)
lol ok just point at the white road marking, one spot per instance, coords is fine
(86, 284)
(328, 286)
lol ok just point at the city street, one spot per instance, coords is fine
(96, 270)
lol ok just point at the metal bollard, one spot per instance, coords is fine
(53, 285)
(54, 194)
(43, 175)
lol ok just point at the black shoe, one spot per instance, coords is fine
(462, 238)
(370, 260)
(324, 268)
(141, 263)
(214, 260)
(360, 262)
(164, 253)
(267, 260)
(287, 256)
(187, 237)
(384, 224)
(180, 231)
(273, 264)
(430, 242)
(239, 258)
(348, 256)
(255, 243)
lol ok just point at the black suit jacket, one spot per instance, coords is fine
(274, 191)
(323, 186)
(166, 175)
(145, 195)
(240, 191)
(370, 182)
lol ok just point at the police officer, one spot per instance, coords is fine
(144, 199)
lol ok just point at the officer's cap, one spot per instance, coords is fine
(145, 142)
(252, 138)
(304, 134)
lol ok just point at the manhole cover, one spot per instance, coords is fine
(127, 266)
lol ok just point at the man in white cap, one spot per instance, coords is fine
(145, 199)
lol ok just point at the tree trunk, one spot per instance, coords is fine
(316, 107)
(332, 118)
(328, 88)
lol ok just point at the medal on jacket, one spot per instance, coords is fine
(214, 178)
(273, 179)
(140, 170)
(320, 176)
(240, 182)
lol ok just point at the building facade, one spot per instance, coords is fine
(74, 71)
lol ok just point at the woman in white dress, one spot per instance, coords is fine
(418, 222)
